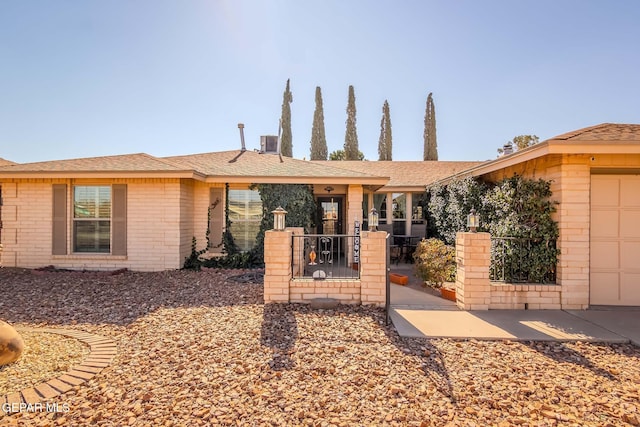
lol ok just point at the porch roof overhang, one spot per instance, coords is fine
(400, 189)
(366, 182)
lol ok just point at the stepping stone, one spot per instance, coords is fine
(324, 303)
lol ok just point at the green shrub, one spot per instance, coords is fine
(193, 262)
(435, 262)
(516, 207)
(296, 199)
(449, 206)
(238, 260)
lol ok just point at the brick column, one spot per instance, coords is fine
(573, 222)
(473, 256)
(373, 268)
(277, 262)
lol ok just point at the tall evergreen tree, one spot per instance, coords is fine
(351, 136)
(286, 139)
(430, 142)
(385, 143)
(339, 155)
(319, 149)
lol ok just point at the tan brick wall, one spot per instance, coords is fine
(279, 286)
(201, 204)
(473, 256)
(154, 225)
(345, 291)
(27, 222)
(277, 260)
(530, 296)
(187, 230)
(373, 268)
(573, 194)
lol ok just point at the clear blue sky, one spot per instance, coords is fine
(91, 78)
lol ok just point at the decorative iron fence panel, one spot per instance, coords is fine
(519, 260)
(324, 256)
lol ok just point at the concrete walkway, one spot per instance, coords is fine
(419, 313)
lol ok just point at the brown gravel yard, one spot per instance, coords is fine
(197, 349)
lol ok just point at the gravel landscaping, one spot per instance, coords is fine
(45, 356)
(195, 348)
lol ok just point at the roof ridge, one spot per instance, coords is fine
(338, 168)
(168, 162)
(578, 132)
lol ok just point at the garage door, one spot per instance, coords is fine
(615, 240)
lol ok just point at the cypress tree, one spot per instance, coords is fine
(430, 143)
(286, 139)
(351, 150)
(319, 149)
(385, 143)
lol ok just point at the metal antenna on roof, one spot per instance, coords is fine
(279, 132)
(241, 127)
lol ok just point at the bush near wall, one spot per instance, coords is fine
(514, 207)
(435, 262)
(296, 199)
(449, 206)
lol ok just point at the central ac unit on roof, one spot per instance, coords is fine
(269, 144)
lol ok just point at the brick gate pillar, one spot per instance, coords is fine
(277, 265)
(473, 258)
(373, 268)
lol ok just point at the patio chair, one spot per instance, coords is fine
(418, 232)
(395, 251)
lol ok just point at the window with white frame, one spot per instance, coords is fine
(92, 219)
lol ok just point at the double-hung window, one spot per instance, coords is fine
(98, 219)
(92, 219)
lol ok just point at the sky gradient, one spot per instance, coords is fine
(93, 78)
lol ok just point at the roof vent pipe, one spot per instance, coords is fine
(241, 127)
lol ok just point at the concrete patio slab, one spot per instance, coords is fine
(417, 312)
(517, 325)
(625, 322)
(404, 296)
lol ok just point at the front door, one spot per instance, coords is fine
(330, 217)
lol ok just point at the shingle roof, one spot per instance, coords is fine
(405, 173)
(140, 162)
(249, 166)
(605, 132)
(251, 163)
